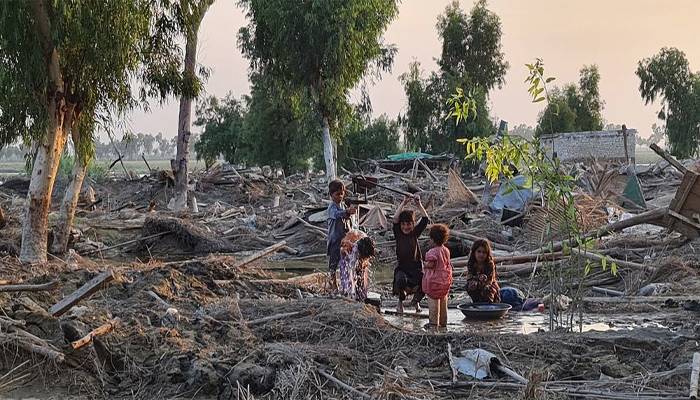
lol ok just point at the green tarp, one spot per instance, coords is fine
(408, 156)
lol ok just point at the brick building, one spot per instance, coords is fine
(580, 146)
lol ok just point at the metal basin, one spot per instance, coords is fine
(484, 311)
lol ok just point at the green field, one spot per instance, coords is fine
(137, 166)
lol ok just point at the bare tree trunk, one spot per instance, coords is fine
(70, 200)
(328, 151)
(179, 164)
(49, 149)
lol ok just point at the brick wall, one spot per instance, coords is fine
(579, 146)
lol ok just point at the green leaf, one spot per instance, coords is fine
(538, 100)
(613, 269)
(550, 79)
(604, 263)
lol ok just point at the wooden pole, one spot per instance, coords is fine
(259, 254)
(694, 376)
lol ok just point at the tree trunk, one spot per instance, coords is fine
(179, 164)
(70, 200)
(49, 149)
(328, 151)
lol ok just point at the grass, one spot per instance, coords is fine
(138, 166)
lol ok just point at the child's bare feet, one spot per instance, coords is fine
(418, 309)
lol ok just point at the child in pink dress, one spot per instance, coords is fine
(437, 275)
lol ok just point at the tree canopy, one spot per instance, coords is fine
(471, 60)
(667, 77)
(222, 123)
(575, 108)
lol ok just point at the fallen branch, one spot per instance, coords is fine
(127, 243)
(159, 299)
(472, 238)
(514, 259)
(99, 331)
(259, 254)
(509, 372)
(95, 284)
(343, 385)
(452, 363)
(275, 317)
(29, 288)
(669, 158)
(40, 349)
(313, 227)
(428, 170)
(694, 376)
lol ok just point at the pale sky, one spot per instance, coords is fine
(614, 34)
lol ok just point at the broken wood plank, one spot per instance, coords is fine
(694, 376)
(99, 331)
(514, 259)
(95, 284)
(668, 157)
(619, 263)
(428, 170)
(259, 254)
(609, 292)
(159, 299)
(472, 238)
(509, 372)
(29, 288)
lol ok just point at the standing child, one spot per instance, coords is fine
(408, 274)
(338, 226)
(482, 283)
(437, 275)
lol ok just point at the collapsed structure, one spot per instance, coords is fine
(230, 301)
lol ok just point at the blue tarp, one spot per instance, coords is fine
(408, 156)
(513, 194)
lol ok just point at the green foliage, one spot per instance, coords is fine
(281, 128)
(96, 171)
(667, 77)
(571, 109)
(471, 64)
(471, 45)
(325, 47)
(365, 139)
(222, 125)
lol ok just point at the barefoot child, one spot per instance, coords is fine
(356, 251)
(338, 226)
(437, 275)
(482, 284)
(408, 274)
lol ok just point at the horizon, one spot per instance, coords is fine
(564, 43)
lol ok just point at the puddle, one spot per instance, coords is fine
(524, 323)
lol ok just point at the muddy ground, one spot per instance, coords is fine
(192, 323)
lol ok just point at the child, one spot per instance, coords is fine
(437, 275)
(482, 284)
(356, 251)
(408, 274)
(338, 226)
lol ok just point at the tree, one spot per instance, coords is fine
(281, 125)
(667, 77)
(574, 108)
(191, 15)
(66, 67)
(222, 124)
(325, 47)
(471, 60)
(367, 139)
(471, 45)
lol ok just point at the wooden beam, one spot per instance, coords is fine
(95, 284)
(694, 376)
(668, 157)
(259, 254)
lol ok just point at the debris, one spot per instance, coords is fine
(694, 376)
(188, 235)
(29, 288)
(480, 364)
(259, 254)
(343, 385)
(95, 284)
(99, 331)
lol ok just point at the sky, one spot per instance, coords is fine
(614, 34)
